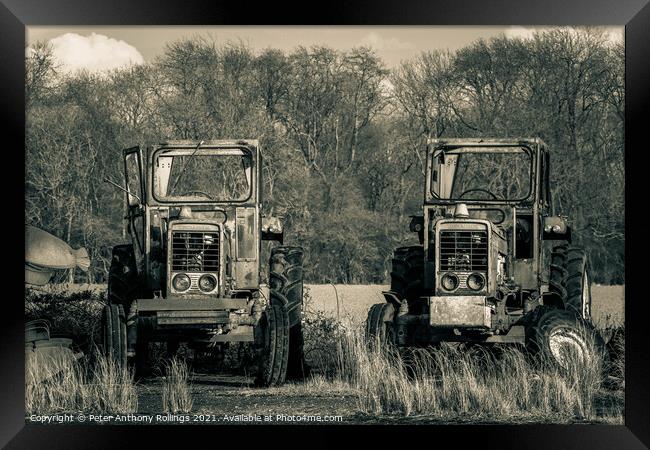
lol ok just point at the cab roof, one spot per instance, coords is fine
(487, 142)
(211, 143)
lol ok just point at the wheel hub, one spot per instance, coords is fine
(586, 301)
(568, 345)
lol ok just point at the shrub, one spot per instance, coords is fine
(76, 314)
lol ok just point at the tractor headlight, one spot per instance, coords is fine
(476, 282)
(207, 283)
(449, 282)
(181, 282)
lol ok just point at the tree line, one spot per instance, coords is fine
(344, 136)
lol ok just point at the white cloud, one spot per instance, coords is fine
(520, 32)
(376, 41)
(95, 53)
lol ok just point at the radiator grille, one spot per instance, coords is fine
(463, 251)
(194, 251)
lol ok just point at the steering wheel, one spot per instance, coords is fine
(494, 197)
(198, 192)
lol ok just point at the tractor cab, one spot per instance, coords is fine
(194, 222)
(497, 190)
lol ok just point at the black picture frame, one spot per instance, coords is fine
(15, 15)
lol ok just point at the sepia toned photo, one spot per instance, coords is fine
(324, 225)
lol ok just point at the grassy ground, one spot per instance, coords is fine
(452, 384)
(72, 386)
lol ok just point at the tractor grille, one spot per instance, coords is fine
(194, 251)
(463, 251)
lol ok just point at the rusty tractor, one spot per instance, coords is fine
(494, 264)
(191, 273)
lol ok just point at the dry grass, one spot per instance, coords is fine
(54, 385)
(456, 382)
(176, 395)
(449, 384)
(58, 385)
(453, 382)
(113, 387)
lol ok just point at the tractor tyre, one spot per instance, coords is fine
(563, 338)
(123, 277)
(273, 351)
(114, 334)
(569, 280)
(407, 272)
(286, 286)
(379, 331)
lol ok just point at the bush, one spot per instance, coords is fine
(76, 315)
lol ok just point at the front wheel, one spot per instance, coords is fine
(563, 338)
(380, 331)
(273, 345)
(114, 334)
(286, 286)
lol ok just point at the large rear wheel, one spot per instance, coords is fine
(407, 273)
(123, 281)
(569, 280)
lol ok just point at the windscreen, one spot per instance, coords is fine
(482, 173)
(182, 175)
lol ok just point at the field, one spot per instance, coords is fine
(350, 383)
(350, 303)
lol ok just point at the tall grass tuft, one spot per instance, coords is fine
(113, 387)
(63, 384)
(176, 395)
(54, 384)
(466, 383)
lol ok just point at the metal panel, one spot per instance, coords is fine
(153, 304)
(192, 317)
(459, 311)
(189, 321)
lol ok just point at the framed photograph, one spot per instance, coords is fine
(414, 214)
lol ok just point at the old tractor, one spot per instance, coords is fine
(191, 273)
(494, 264)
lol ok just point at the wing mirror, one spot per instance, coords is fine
(556, 228)
(417, 226)
(133, 199)
(272, 229)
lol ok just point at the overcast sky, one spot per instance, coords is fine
(103, 48)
